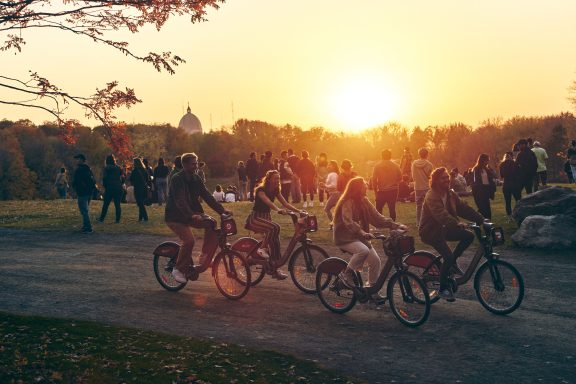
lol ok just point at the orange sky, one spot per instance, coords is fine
(340, 65)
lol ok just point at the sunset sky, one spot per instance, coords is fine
(340, 65)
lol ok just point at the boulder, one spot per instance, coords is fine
(547, 202)
(547, 232)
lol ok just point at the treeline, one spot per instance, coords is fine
(31, 155)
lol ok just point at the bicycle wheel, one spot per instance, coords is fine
(243, 246)
(333, 294)
(409, 299)
(231, 274)
(499, 287)
(163, 271)
(303, 264)
(425, 265)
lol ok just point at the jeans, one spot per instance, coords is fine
(387, 197)
(481, 195)
(84, 206)
(508, 193)
(162, 189)
(61, 192)
(333, 198)
(419, 197)
(541, 177)
(112, 195)
(361, 254)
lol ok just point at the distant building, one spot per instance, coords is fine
(190, 122)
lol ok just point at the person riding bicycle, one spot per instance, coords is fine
(183, 210)
(260, 221)
(352, 219)
(440, 223)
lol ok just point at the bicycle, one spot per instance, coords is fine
(230, 270)
(406, 292)
(302, 261)
(499, 286)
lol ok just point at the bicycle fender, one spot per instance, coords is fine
(332, 265)
(167, 249)
(421, 259)
(245, 244)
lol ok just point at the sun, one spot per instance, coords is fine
(359, 104)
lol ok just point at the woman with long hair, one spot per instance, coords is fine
(483, 186)
(260, 220)
(352, 219)
(112, 180)
(330, 185)
(140, 180)
(511, 186)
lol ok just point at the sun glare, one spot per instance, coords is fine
(359, 104)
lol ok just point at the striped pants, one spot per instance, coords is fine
(261, 222)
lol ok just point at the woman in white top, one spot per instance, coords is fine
(219, 194)
(330, 186)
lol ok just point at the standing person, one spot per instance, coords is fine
(307, 173)
(266, 165)
(152, 197)
(484, 186)
(242, 181)
(406, 163)
(346, 174)
(386, 176)
(252, 173)
(294, 162)
(541, 174)
(160, 175)
(139, 179)
(112, 180)
(421, 170)
(183, 210)
(322, 173)
(175, 169)
(61, 183)
(330, 185)
(509, 173)
(84, 184)
(260, 220)
(285, 175)
(527, 165)
(570, 165)
(352, 219)
(440, 223)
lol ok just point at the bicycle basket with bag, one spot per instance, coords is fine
(229, 227)
(399, 245)
(497, 236)
(311, 223)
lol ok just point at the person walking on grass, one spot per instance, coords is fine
(541, 173)
(140, 181)
(160, 175)
(386, 176)
(84, 185)
(61, 183)
(307, 173)
(421, 170)
(510, 187)
(112, 180)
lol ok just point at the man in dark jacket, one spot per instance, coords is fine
(84, 185)
(252, 173)
(183, 210)
(440, 223)
(386, 176)
(527, 166)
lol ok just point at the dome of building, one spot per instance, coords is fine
(190, 123)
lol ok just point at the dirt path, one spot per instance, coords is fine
(109, 278)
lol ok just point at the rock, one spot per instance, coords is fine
(547, 202)
(548, 232)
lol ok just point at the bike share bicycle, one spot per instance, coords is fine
(406, 292)
(302, 261)
(230, 270)
(499, 286)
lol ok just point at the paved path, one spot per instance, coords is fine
(109, 278)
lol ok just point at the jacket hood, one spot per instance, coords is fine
(420, 163)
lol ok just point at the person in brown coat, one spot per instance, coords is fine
(440, 223)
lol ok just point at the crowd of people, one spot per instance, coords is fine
(295, 179)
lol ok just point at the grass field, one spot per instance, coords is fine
(64, 215)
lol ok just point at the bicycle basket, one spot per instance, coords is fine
(397, 246)
(229, 227)
(497, 236)
(311, 223)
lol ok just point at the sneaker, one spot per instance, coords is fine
(311, 204)
(447, 295)
(377, 299)
(456, 270)
(87, 230)
(178, 276)
(346, 279)
(263, 253)
(278, 275)
(305, 205)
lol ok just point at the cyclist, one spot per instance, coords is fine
(440, 223)
(260, 221)
(352, 219)
(183, 210)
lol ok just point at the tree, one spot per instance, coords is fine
(16, 180)
(94, 20)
